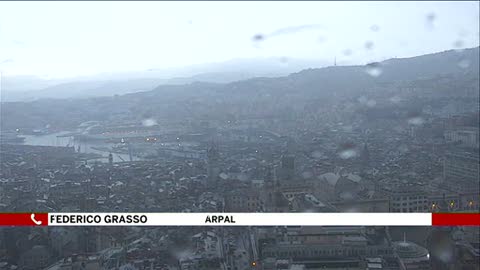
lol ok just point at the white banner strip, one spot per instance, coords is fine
(239, 219)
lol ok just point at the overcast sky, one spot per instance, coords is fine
(63, 39)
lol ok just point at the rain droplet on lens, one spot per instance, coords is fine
(371, 103)
(6, 61)
(347, 195)
(463, 33)
(347, 52)
(317, 154)
(307, 175)
(374, 69)
(283, 60)
(396, 99)
(362, 100)
(415, 118)
(351, 210)
(375, 28)
(348, 128)
(416, 121)
(403, 148)
(346, 154)
(464, 63)
(458, 44)
(243, 177)
(431, 17)
(369, 45)
(347, 150)
(442, 247)
(322, 39)
(149, 122)
(430, 21)
(258, 37)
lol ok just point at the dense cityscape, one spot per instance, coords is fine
(330, 158)
(395, 136)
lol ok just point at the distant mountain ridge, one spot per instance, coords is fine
(439, 76)
(447, 62)
(341, 77)
(29, 88)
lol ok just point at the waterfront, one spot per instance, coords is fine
(57, 139)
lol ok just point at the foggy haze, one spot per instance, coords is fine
(116, 113)
(70, 39)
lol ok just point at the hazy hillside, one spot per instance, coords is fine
(29, 88)
(441, 75)
(341, 78)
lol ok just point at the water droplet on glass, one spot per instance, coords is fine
(348, 128)
(307, 175)
(243, 177)
(149, 122)
(458, 44)
(351, 210)
(317, 154)
(416, 121)
(371, 103)
(347, 195)
(348, 154)
(415, 118)
(258, 37)
(347, 151)
(6, 61)
(374, 69)
(463, 33)
(464, 63)
(395, 99)
(347, 52)
(369, 45)
(430, 21)
(403, 148)
(431, 17)
(442, 247)
(283, 60)
(362, 100)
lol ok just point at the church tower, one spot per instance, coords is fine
(269, 190)
(213, 164)
(365, 157)
(286, 174)
(110, 159)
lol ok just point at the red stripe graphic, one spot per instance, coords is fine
(23, 219)
(456, 219)
(438, 219)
